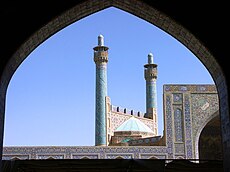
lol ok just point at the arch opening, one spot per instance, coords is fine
(114, 57)
(218, 77)
(210, 141)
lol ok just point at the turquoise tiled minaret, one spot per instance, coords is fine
(151, 91)
(101, 59)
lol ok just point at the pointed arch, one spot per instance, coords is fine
(134, 7)
(50, 157)
(209, 143)
(180, 157)
(214, 115)
(15, 158)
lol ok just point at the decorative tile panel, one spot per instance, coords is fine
(179, 148)
(188, 127)
(169, 130)
(203, 107)
(178, 125)
(177, 98)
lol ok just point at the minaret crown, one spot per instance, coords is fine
(100, 51)
(150, 68)
(100, 40)
(150, 58)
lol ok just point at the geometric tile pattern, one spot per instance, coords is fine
(194, 106)
(178, 125)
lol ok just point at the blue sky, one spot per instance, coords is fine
(51, 97)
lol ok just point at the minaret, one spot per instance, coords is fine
(101, 59)
(151, 92)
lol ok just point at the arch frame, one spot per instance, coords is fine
(145, 12)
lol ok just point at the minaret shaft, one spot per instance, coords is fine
(101, 59)
(151, 94)
(151, 91)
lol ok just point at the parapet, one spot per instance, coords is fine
(127, 111)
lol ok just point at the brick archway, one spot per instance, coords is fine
(139, 9)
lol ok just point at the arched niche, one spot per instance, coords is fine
(180, 157)
(210, 141)
(15, 158)
(50, 157)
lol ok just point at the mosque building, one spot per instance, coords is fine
(191, 123)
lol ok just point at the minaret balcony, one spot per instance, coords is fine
(101, 59)
(150, 74)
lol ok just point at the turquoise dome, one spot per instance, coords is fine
(134, 124)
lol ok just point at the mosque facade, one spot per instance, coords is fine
(130, 134)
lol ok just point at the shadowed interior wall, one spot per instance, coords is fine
(210, 141)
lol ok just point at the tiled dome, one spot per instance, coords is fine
(134, 124)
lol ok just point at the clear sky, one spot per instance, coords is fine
(51, 97)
